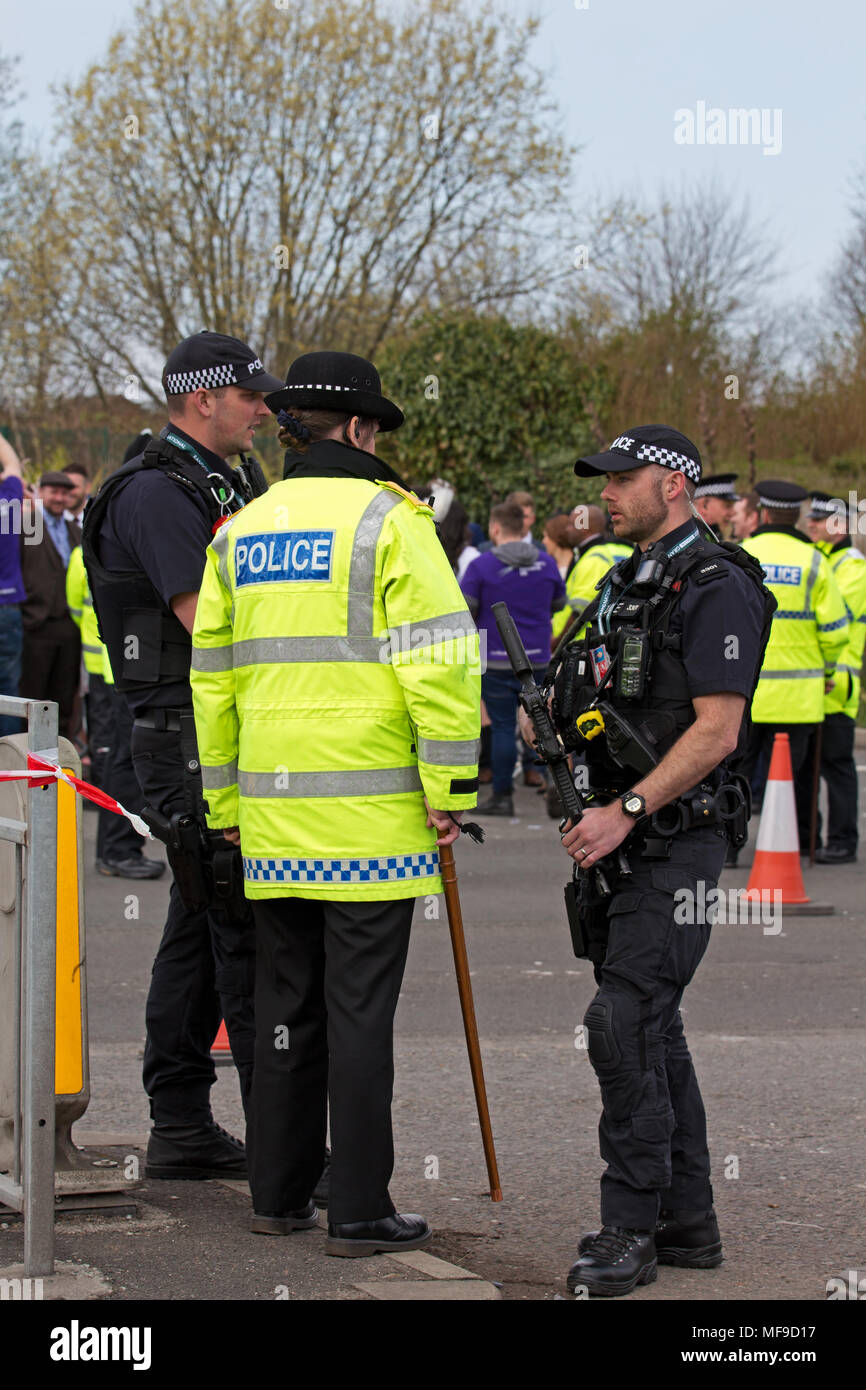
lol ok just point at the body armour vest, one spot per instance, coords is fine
(629, 657)
(146, 642)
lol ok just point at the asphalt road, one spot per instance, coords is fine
(776, 1027)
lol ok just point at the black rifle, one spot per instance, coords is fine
(551, 752)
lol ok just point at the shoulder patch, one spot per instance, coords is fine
(713, 569)
(407, 496)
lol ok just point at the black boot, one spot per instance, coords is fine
(614, 1262)
(498, 805)
(690, 1239)
(370, 1237)
(194, 1151)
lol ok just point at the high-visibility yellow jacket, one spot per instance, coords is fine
(80, 606)
(336, 682)
(594, 560)
(809, 631)
(849, 570)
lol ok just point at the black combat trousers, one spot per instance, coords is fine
(115, 837)
(328, 977)
(839, 771)
(653, 1133)
(204, 969)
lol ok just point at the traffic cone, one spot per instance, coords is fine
(776, 866)
(221, 1052)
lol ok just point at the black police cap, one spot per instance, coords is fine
(336, 381)
(719, 485)
(824, 506)
(209, 360)
(640, 446)
(781, 496)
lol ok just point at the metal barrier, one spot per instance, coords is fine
(30, 1188)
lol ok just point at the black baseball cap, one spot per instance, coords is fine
(640, 446)
(208, 360)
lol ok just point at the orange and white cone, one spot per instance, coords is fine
(776, 867)
(220, 1047)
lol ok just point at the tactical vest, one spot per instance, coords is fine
(146, 642)
(665, 709)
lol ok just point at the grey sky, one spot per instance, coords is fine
(620, 69)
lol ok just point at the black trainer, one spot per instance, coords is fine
(497, 806)
(689, 1239)
(395, 1232)
(194, 1151)
(280, 1223)
(136, 866)
(614, 1262)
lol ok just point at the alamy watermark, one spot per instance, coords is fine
(731, 907)
(738, 125)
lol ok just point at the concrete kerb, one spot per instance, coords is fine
(70, 1282)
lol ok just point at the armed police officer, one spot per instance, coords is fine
(653, 694)
(336, 684)
(145, 538)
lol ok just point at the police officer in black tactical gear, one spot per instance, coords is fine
(652, 694)
(145, 537)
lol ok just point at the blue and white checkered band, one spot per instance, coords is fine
(829, 506)
(654, 453)
(318, 386)
(715, 490)
(388, 869)
(209, 378)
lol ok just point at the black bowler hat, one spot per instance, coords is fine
(208, 360)
(824, 506)
(719, 485)
(336, 381)
(781, 496)
(640, 446)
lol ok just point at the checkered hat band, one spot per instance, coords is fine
(205, 379)
(775, 505)
(714, 490)
(654, 453)
(318, 386)
(835, 504)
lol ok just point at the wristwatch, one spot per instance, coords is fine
(633, 805)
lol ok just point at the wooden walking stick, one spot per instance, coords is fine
(467, 1007)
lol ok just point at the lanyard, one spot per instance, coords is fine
(605, 606)
(223, 497)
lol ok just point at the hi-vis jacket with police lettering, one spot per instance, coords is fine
(809, 631)
(336, 681)
(849, 570)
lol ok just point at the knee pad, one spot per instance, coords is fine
(601, 1045)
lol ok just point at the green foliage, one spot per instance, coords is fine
(490, 407)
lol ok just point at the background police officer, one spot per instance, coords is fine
(145, 538)
(809, 632)
(701, 616)
(336, 685)
(828, 529)
(714, 501)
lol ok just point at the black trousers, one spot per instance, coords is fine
(204, 968)
(99, 708)
(51, 667)
(839, 771)
(759, 750)
(328, 978)
(115, 837)
(653, 1132)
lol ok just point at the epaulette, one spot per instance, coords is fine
(407, 496)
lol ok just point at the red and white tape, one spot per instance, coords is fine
(40, 772)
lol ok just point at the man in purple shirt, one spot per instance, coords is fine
(514, 572)
(12, 593)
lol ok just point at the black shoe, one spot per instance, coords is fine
(690, 1239)
(136, 866)
(497, 806)
(835, 855)
(370, 1237)
(322, 1189)
(614, 1261)
(731, 857)
(194, 1151)
(555, 808)
(280, 1223)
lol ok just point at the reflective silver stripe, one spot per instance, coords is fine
(211, 659)
(87, 601)
(261, 650)
(443, 753)
(220, 545)
(813, 575)
(362, 567)
(219, 777)
(379, 781)
(578, 604)
(788, 675)
(852, 670)
(443, 629)
(94, 650)
(76, 612)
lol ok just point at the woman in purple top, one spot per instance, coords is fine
(12, 593)
(514, 572)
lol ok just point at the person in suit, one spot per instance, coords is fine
(51, 658)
